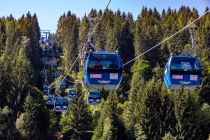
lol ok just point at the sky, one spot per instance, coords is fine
(49, 11)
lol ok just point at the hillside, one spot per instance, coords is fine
(142, 108)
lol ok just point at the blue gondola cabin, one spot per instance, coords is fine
(50, 101)
(94, 98)
(61, 104)
(182, 72)
(102, 71)
(72, 94)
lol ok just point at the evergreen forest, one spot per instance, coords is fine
(142, 108)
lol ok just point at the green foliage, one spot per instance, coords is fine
(139, 133)
(17, 75)
(147, 34)
(141, 108)
(123, 90)
(110, 125)
(54, 121)
(67, 39)
(149, 113)
(188, 111)
(155, 114)
(7, 127)
(2, 35)
(76, 123)
(168, 136)
(33, 122)
(141, 67)
(136, 88)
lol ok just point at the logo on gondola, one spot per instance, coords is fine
(103, 82)
(194, 77)
(184, 82)
(95, 76)
(177, 76)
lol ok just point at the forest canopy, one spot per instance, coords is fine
(142, 108)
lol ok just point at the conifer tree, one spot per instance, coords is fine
(2, 35)
(188, 111)
(8, 130)
(76, 123)
(22, 74)
(67, 37)
(110, 126)
(33, 122)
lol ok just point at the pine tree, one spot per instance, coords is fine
(76, 123)
(147, 35)
(110, 126)
(202, 51)
(126, 46)
(22, 74)
(149, 112)
(7, 84)
(28, 26)
(192, 122)
(8, 130)
(139, 133)
(2, 35)
(140, 71)
(168, 136)
(33, 122)
(67, 38)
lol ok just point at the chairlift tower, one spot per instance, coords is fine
(45, 33)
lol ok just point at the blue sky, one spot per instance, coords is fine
(49, 11)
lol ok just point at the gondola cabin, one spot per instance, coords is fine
(94, 98)
(50, 101)
(46, 89)
(182, 72)
(63, 85)
(72, 94)
(57, 74)
(102, 71)
(61, 104)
